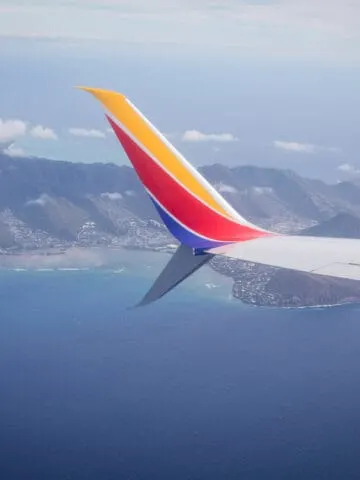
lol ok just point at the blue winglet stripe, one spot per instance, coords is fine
(182, 234)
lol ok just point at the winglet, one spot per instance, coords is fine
(114, 102)
(104, 96)
(192, 209)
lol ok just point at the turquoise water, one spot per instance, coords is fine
(193, 387)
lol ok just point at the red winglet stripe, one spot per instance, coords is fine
(178, 202)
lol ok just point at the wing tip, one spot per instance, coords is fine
(100, 93)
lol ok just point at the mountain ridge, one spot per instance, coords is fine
(57, 204)
(59, 197)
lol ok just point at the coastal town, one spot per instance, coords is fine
(252, 283)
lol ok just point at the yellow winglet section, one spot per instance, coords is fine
(106, 97)
(146, 136)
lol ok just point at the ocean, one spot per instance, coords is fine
(197, 386)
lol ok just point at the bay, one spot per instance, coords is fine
(197, 386)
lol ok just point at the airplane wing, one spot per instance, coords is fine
(335, 257)
(203, 222)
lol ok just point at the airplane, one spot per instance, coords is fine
(202, 221)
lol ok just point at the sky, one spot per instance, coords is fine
(270, 83)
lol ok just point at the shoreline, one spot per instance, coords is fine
(202, 290)
(146, 263)
(118, 261)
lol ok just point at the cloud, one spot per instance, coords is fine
(262, 190)
(11, 129)
(196, 136)
(112, 195)
(294, 146)
(308, 148)
(84, 132)
(130, 193)
(347, 168)
(42, 200)
(305, 28)
(43, 133)
(223, 188)
(14, 151)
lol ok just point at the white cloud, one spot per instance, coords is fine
(305, 28)
(294, 146)
(130, 193)
(298, 147)
(262, 190)
(14, 128)
(223, 188)
(347, 168)
(11, 129)
(112, 195)
(84, 132)
(196, 136)
(14, 151)
(43, 133)
(42, 200)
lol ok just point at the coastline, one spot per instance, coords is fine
(145, 264)
(246, 285)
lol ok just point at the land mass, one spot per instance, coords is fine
(51, 207)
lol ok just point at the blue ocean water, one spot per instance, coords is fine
(194, 387)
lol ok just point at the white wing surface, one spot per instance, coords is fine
(335, 257)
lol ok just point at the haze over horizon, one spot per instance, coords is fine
(260, 83)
